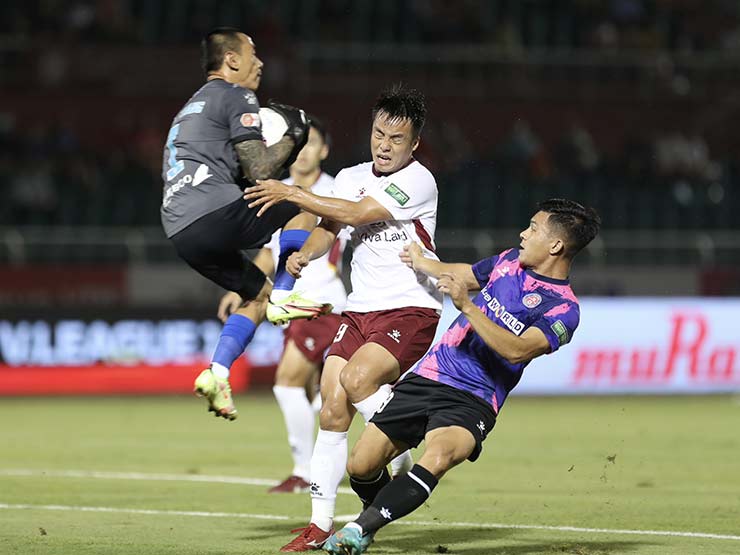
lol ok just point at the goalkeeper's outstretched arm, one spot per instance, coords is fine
(413, 256)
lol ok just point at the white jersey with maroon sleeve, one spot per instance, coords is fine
(320, 280)
(380, 280)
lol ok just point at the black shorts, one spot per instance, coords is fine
(213, 245)
(419, 405)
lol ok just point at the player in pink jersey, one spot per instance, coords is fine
(392, 313)
(525, 308)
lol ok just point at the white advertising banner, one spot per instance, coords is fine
(642, 345)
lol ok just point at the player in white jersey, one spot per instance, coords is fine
(305, 340)
(392, 313)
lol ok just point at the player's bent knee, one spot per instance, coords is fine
(333, 417)
(356, 383)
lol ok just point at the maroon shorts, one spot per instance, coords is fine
(312, 337)
(406, 333)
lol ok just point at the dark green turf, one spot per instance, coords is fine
(641, 463)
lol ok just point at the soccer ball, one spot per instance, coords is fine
(274, 126)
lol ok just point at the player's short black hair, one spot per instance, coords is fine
(216, 44)
(580, 224)
(403, 103)
(320, 126)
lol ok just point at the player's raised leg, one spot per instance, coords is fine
(286, 304)
(238, 330)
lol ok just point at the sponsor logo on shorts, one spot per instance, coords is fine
(385, 513)
(395, 335)
(531, 300)
(396, 192)
(250, 119)
(309, 343)
(482, 427)
(561, 331)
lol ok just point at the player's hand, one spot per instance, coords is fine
(295, 263)
(267, 193)
(298, 126)
(411, 254)
(448, 283)
(228, 305)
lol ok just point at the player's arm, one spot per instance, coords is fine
(260, 162)
(318, 243)
(514, 348)
(414, 258)
(270, 192)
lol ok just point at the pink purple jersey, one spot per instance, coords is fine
(516, 299)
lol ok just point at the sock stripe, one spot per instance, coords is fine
(371, 481)
(419, 481)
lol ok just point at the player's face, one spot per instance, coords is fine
(250, 69)
(392, 142)
(310, 157)
(537, 241)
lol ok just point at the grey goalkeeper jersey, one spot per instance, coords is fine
(200, 169)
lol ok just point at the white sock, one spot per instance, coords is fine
(369, 405)
(299, 422)
(402, 464)
(278, 295)
(327, 469)
(219, 370)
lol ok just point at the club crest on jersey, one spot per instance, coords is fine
(531, 300)
(249, 119)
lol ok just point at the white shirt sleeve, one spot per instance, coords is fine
(407, 195)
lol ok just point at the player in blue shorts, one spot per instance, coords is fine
(525, 308)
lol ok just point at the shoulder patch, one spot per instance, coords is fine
(396, 192)
(561, 331)
(250, 119)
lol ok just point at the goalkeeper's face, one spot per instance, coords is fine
(392, 142)
(249, 68)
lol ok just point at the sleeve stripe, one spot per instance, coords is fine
(423, 235)
(335, 253)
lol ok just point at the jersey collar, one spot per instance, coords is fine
(546, 279)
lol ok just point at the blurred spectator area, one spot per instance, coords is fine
(628, 105)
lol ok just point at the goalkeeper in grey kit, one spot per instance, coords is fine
(214, 150)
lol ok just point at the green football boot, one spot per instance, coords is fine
(217, 392)
(295, 307)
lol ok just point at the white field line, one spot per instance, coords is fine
(341, 518)
(205, 478)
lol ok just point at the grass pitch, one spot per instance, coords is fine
(158, 475)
